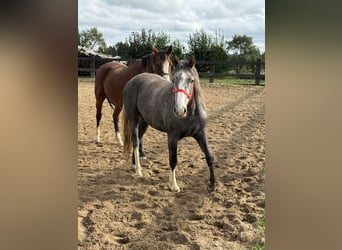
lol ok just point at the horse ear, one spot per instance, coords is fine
(169, 50)
(191, 60)
(155, 50)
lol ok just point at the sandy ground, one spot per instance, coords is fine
(120, 211)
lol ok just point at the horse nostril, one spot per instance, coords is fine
(179, 112)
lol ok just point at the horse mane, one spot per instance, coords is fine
(198, 88)
(132, 61)
(148, 64)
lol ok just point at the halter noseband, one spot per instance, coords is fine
(189, 95)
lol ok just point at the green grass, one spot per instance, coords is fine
(260, 245)
(204, 81)
(86, 79)
(230, 81)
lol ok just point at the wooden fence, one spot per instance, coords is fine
(256, 71)
(91, 64)
(209, 68)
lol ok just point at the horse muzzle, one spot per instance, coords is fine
(180, 112)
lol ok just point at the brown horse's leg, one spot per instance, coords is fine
(99, 102)
(116, 114)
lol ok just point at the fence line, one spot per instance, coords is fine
(258, 75)
(91, 64)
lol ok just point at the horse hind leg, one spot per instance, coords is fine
(116, 114)
(99, 102)
(137, 165)
(135, 141)
(142, 130)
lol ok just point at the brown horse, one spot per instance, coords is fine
(111, 78)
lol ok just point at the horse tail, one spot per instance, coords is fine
(110, 103)
(127, 134)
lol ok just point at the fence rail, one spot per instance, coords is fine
(212, 73)
(91, 64)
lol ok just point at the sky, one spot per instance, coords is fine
(117, 19)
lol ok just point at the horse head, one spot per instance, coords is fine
(163, 61)
(183, 79)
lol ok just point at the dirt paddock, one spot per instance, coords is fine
(119, 211)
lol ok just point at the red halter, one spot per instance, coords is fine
(189, 95)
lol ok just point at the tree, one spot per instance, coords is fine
(177, 48)
(218, 53)
(263, 56)
(110, 50)
(92, 39)
(161, 40)
(140, 43)
(242, 49)
(207, 48)
(122, 49)
(199, 44)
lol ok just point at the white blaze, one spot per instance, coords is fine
(181, 99)
(166, 70)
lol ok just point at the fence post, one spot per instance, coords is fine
(212, 73)
(92, 67)
(257, 72)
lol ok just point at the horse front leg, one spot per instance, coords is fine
(173, 144)
(202, 141)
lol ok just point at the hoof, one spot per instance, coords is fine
(138, 173)
(211, 187)
(142, 156)
(175, 189)
(118, 137)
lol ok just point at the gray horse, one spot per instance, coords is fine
(173, 107)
